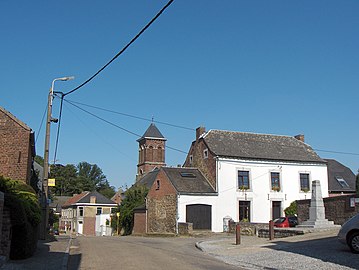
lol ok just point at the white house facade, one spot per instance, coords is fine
(256, 176)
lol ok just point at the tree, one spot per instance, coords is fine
(39, 160)
(90, 176)
(134, 197)
(291, 210)
(66, 180)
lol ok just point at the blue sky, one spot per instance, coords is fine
(276, 67)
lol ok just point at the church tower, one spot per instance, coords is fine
(151, 151)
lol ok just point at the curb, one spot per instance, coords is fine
(65, 260)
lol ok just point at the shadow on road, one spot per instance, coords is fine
(324, 249)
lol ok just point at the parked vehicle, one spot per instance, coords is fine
(285, 222)
(349, 234)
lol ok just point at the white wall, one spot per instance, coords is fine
(260, 193)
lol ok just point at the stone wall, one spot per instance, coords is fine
(161, 206)
(185, 228)
(15, 148)
(206, 165)
(337, 209)
(5, 234)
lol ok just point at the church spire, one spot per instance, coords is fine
(151, 153)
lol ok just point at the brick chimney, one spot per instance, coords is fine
(93, 199)
(299, 137)
(199, 132)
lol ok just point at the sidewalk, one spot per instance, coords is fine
(313, 250)
(51, 254)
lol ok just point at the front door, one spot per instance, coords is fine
(245, 211)
(80, 227)
(276, 209)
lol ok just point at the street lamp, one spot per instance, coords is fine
(46, 156)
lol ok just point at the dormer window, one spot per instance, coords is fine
(205, 153)
(342, 182)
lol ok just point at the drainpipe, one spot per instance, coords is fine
(177, 215)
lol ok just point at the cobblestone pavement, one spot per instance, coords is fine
(51, 254)
(316, 250)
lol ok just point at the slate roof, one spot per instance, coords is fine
(188, 181)
(58, 202)
(259, 146)
(153, 133)
(184, 180)
(74, 199)
(148, 178)
(100, 199)
(336, 169)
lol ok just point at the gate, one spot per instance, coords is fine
(200, 215)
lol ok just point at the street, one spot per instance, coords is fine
(128, 252)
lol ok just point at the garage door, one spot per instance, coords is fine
(200, 215)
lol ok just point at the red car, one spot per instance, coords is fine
(285, 222)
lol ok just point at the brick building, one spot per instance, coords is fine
(151, 151)
(88, 213)
(17, 148)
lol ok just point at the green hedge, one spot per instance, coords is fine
(25, 214)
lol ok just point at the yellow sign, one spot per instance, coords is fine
(51, 182)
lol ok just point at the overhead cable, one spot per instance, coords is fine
(132, 116)
(117, 126)
(124, 48)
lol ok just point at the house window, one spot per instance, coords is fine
(99, 211)
(81, 211)
(275, 181)
(205, 153)
(190, 159)
(243, 180)
(304, 182)
(342, 182)
(158, 184)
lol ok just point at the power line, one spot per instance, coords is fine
(58, 128)
(337, 152)
(123, 50)
(133, 116)
(42, 122)
(117, 126)
(102, 119)
(99, 136)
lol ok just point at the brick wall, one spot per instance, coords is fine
(15, 149)
(161, 206)
(139, 223)
(337, 209)
(89, 226)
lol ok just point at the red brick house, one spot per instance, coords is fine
(17, 148)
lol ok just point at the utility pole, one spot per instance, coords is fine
(45, 194)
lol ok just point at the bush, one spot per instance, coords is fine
(134, 197)
(291, 210)
(25, 215)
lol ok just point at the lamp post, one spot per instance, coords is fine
(45, 201)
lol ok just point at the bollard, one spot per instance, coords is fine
(238, 234)
(271, 230)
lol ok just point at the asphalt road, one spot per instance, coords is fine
(129, 252)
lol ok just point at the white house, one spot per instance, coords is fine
(256, 176)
